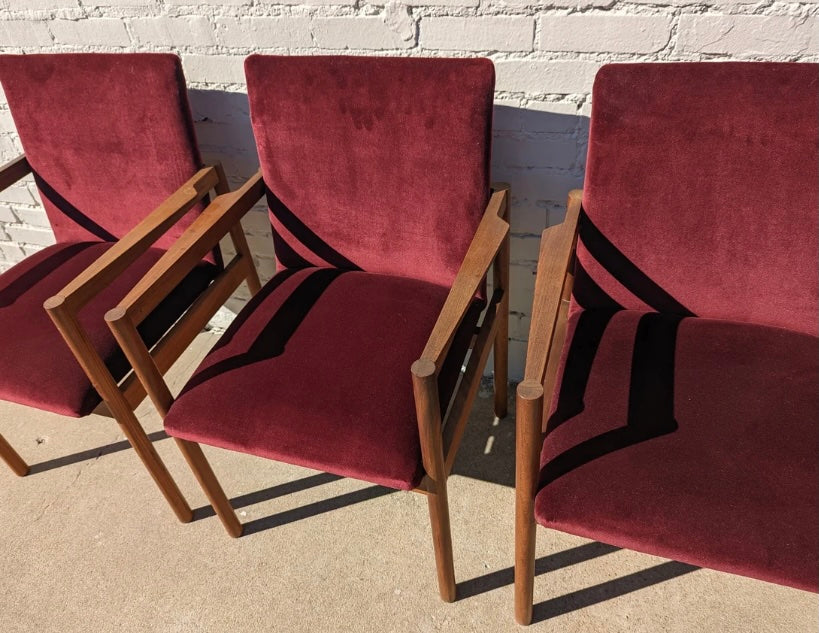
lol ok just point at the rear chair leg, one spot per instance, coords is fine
(10, 456)
(501, 357)
(500, 275)
(204, 474)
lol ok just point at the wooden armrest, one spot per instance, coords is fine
(488, 240)
(13, 170)
(125, 251)
(556, 250)
(216, 221)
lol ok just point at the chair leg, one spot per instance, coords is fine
(442, 542)
(150, 458)
(207, 479)
(529, 413)
(10, 456)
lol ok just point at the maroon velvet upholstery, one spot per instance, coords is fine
(108, 136)
(378, 174)
(36, 367)
(690, 431)
(315, 371)
(689, 438)
(378, 164)
(700, 192)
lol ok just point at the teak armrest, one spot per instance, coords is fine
(552, 290)
(439, 437)
(201, 237)
(13, 170)
(220, 217)
(124, 252)
(488, 240)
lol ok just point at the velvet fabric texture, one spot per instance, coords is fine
(108, 136)
(377, 164)
(37, 368)
(700, 194)
(685, 420)
(315, 371)
(689, 438)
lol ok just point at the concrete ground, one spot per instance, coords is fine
(87, 543)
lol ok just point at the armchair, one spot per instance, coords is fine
(670, 393)
(116, 195)
(348, 360)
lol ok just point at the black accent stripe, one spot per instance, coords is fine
(622, 269)
(305, 235)
(588, 293)
(72, 212)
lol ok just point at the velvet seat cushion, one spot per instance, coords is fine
(688, 438)
(36, 366)
(315, 371)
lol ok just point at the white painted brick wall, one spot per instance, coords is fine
(545, 53)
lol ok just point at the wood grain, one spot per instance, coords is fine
(13, 170)
(488, 239)
(12, 459)
(124, 252)
(556, 250)
(547, 333)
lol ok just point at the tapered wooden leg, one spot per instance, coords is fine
(442, 542)
(147, 453)
(428, 410)
(207, 479)
(529, 413)
(10, 456)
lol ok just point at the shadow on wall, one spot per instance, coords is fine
(540, 152)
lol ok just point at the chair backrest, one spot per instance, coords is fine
(701, 192)
(380, 164)
(108, 137)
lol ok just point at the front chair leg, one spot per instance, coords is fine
(428, 410)
(10, 456)
(529, 414)
(217, 497)
(442, 541)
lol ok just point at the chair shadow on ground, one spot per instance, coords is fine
(581, 598)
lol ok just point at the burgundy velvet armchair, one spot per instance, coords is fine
(673, 345)
(348, 360)
(109, 141)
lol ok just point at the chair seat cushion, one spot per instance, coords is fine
(688, 438)
(315, 371)
(36, 366)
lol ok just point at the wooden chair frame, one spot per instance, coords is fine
(439, 438)
(121, 399)
(547, 334)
